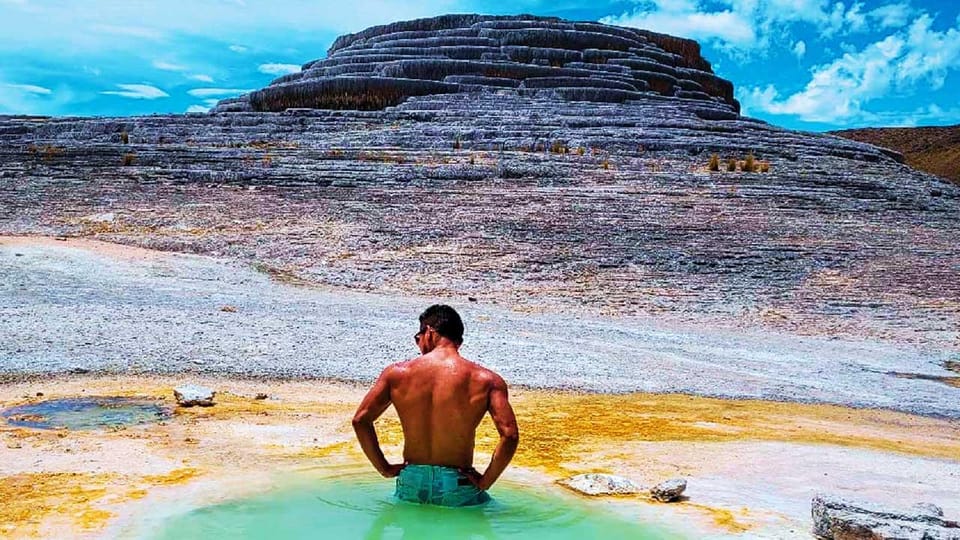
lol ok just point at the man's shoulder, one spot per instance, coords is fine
(486, 375)
(399, 368)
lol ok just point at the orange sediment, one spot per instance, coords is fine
(29, 498)
(305, 423)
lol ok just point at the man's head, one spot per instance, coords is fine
(436, 322)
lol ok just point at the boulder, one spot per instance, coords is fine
(669, 491)
(836, 518)
(190, 395)
(595, 484)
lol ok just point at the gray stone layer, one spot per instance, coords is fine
(383, 65)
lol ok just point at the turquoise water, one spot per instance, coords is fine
(363, 507)
(86, 413)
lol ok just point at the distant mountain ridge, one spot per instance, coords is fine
(935, 150)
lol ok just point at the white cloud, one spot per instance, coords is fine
(913, 60)
(749, 25)
(201, 77)
(31, 89)
(168, 66)
(683, 19)
(141, 32)
(238, 48)
(208, 92)
(137, 91)
(893, 15)
(62, 24)
(278, 69)
(197, 109)
(800, 49)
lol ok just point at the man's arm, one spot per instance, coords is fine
(374, 403)
(502, 414)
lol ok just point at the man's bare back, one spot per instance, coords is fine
(440, 398)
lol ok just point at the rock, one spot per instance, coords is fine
(670, 490)
(836, 518)
(190, 395)
(928, 509)
(260, 396)
(384, 65)
(601, 484)
(826, 207)
(106, 217)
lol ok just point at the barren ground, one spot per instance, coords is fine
(143, 321)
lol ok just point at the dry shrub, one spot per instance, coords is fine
(731, 165)
(558, 147)
(714, 164)
(124, 137)
(129, 159)
(581, 150)
(750, 163)
(764, 166)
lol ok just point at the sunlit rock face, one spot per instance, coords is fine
(526, 55)
(513, 194)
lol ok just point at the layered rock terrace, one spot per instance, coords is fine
(525, 200)
(526, 55)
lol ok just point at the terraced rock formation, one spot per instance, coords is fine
(529, 201)
(526, 55)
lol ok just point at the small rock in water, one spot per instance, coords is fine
(260, 396)
(228, 309)
(836, 518)
(670, 490)
(601, 484)
(189, 395)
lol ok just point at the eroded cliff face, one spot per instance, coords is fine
(524, 55)
(525, 200)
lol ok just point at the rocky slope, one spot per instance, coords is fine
(935, 150)
(531, 56)
(520, 198)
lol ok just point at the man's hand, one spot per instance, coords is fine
(393, 470)
(475, 478)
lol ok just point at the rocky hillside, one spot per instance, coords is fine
(935, 150)
(526, 199)
(532, 56)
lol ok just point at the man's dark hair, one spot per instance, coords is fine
(445, 320)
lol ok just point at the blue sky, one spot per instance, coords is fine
(808, 64)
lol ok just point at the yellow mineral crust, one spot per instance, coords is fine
(81, 481)
(29, 499)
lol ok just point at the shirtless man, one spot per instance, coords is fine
(440, 397)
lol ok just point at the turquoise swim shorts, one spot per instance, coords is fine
(433, 484)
